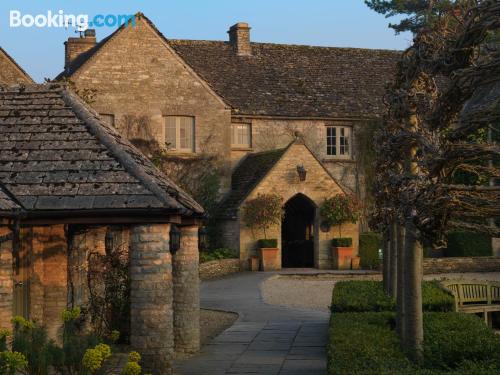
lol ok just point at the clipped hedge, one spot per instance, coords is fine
(342, 242)
(364, 296)
(268, 243)
(365, 343)
(468, 244)
(369, 243)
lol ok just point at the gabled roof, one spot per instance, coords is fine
(57, 155)
(293, 80)
(283, 80)
(20, 75)
(247, 176)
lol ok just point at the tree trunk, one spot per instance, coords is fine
(393, 271)
(413, 317)
(400, 311)
(386, 261)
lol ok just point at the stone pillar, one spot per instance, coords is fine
(151, 313)
(6, 282)
(187, 293)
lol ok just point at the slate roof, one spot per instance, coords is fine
(56, 155)
(294, 80)
(7, 203)
(246, 177)
(284, 80)
(484, 104)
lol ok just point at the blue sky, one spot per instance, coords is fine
(340, 23)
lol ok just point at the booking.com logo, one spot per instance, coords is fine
(59, 19)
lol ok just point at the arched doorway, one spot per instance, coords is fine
(297, 232)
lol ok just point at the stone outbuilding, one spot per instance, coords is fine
(68, 182)
(303, 240)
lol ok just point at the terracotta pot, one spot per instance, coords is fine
(253, 263)
(269, 260)
(342, 257)
(355, 263)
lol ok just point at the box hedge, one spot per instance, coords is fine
(268, 243)
(369, 244)
(365, 343)
(468, 244)
(364, 296)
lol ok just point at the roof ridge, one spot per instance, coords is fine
(90, 119)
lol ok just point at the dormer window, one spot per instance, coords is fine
(338, 141)
(179, 133)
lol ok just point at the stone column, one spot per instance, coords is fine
(187, 293)
(151, 313)
(6, 282)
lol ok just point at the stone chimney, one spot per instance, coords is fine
(239, 38)
(76, 46)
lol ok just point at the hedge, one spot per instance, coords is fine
(364, 296)
(468, 244)
(369, 243)
(365, 343)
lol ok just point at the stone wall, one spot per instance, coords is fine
(219, 268)
(268, 134)
(461, 265)
(139, 79)
(283, 180)
(10, 74)
(6, 282)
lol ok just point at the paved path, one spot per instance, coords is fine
(265, 340)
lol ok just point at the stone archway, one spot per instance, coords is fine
(297, 232)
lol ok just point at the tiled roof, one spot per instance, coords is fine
(246, 177)
(56, 155)
(284, 80)
(293, 80)
(484, 104)
(6, 202)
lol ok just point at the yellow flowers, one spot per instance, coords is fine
(70, 314)
(132, 367)
(94, 358)
(20, 322)
(134, 357)
(12, 361)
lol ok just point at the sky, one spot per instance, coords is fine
(336, 23)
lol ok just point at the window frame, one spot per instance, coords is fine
(178, 123)
(338, 141)
(238, 145)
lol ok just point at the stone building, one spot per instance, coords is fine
(10, 72)
(235, 98)
(70, 184)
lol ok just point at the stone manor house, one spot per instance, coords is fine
(245, 103)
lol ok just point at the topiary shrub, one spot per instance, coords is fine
(340, 209)
(263, 212)
(269, 243)
(468, 244)
(369, 244)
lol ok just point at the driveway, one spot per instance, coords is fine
(266, 339)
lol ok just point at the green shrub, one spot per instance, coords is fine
(365, 343)
(269, 243)
(452, 338)
(342, 242)
(468, 244)
(364, 296)
(369, 244)
(222, 253)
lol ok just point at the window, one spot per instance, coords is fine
(241, 135)
(108, 119)
(338, 141)
(179, 133)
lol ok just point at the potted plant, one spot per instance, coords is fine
(263, 212)
(336, 210)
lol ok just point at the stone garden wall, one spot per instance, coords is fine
(219, 268)
(461, 264)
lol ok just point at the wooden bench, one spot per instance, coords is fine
(475, 297)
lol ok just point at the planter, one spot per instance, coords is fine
(355, 263)
(342, 257)
(253, 263)
(269, 260)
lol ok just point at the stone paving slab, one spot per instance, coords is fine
(266, 340)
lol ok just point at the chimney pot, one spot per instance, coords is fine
(74, 47)
(239, 38)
